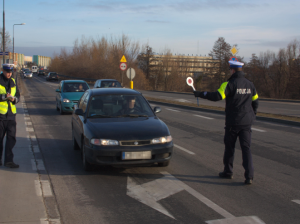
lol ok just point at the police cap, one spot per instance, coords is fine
(235, 64)
(8, 67)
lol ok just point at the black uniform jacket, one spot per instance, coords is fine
(241, 99)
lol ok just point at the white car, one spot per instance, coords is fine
(27, 74)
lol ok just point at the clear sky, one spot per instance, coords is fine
(183, 26)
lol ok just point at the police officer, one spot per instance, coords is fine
(9, 96)
(241, 107)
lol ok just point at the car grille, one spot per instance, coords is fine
(74, 101)
(135, 143)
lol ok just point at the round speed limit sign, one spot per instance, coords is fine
(123, 66)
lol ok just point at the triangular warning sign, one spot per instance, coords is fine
(123, 59)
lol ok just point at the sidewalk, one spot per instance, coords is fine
(21, 194)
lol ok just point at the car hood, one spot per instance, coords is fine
(127, 128)
(72, 95)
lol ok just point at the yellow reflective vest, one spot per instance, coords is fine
(4, 104)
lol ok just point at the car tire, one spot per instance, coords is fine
(61, 112)
(86, 165)
(164, 164)
(75, 144)
(57, 108)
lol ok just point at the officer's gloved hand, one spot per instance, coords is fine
(197, 93)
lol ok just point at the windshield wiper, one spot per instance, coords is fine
(99, 115)
(133, 115)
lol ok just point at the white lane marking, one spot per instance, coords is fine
(30, 129)
(46, 188)
(48, 221)
(238, 220)
(36, 148)
(183, 149)
(33, 138)
(37, 164)
(26, 118)
(33, 164)
(182, 100)
(25, 111)
(296, 201)
(259, 130)
(203, 117)
(38, 189)
(28, 123)
(174, 181)
(172, 110)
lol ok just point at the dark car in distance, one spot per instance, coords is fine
(106, 83)
(117, 127)
(41, 72)
(52, 76)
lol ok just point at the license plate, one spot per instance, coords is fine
(136, 155)
(53, 78)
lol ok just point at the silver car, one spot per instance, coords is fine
(27, 74)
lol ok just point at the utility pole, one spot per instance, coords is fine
(3, 34)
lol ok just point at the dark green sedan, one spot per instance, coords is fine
(68, 94)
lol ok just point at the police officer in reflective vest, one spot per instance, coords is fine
(241, 107)
(9, 96)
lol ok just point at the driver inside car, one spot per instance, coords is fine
(130, 107)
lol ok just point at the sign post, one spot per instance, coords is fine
(123, 66)
(130, 73)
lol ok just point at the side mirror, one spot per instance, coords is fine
(57, 90)
(79, 112)
(157, 110)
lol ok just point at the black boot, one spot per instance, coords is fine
(11, 165)
(248, 181)
(226, 175)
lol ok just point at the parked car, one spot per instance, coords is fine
(105, 83)
(52, 76)
(69, 93)
(27, 74)
(41, 72)
(117, 126)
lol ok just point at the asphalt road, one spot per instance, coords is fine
(271, 107)
(189, 190)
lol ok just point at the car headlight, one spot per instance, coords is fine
(162, 140)
(96, 141)
(66, 101)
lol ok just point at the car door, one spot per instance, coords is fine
(78, 120)
(58, 95)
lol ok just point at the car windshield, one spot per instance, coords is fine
(75, 87)
(119, 106)
(106, 84)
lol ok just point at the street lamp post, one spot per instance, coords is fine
(14, 41)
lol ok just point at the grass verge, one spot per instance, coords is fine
(275, 116)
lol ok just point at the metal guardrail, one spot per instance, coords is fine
(262, 99)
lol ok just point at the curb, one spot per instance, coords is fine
(259, 118)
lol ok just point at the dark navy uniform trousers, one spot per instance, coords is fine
(7, 127)
(244, 134)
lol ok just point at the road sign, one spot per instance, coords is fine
(233, 59)
(123, 59)
(234, 50)
(130, 73)
(123, 66)
(6, 53)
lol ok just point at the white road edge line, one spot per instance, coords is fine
(172, 110)
(296, 201)
(183, 149)
(259, 130)
(209, 118)
(46, 188)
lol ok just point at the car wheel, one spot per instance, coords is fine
(164, 164)
(57, 108)
(75, 144)
(86, 165)
(61, 110)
